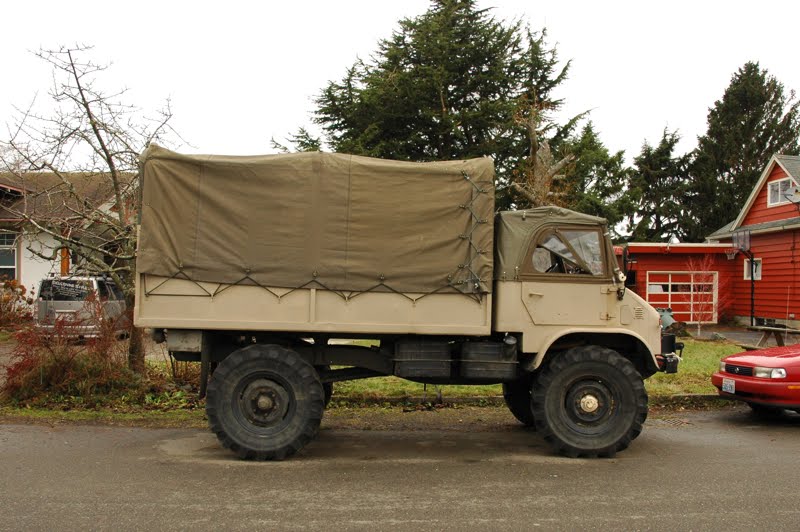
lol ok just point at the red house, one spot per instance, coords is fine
(768, 230)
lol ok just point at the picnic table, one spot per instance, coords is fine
(780, 334)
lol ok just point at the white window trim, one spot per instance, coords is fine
(747, 269)
(15, 248)
(782, 199)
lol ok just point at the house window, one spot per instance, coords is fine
(756, 269)
(779, 192)
(8, 256)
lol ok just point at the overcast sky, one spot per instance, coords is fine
(239, 73)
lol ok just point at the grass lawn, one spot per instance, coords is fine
(700, 360)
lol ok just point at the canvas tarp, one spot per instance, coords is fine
(514, 230)
(346, 223)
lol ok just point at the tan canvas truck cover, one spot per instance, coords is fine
(332, 221)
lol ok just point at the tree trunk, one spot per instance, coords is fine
(136, 350)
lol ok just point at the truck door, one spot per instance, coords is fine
(566, 277)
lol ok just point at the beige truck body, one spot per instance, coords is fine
(540, 313)
(182, 304)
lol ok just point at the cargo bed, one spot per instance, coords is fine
(182, 304)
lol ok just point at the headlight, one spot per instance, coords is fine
(722, 365)
(769, 373)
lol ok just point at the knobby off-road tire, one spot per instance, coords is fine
(327, 387)
(589, 401)
(517, 395)
(265, 402)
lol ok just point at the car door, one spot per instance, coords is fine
(566, 278)
(111, 299)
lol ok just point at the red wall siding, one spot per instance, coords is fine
(776, 294)
(760, 213)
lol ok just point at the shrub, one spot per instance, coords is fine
(51, 365)
(15, 307)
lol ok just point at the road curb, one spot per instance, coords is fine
(684, 400)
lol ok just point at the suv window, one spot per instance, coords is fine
(108, 290)
(102, 290)
(65, 289)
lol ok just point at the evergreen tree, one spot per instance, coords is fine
(754, 120)
(657, 187)
(595, 182)
(451, 83)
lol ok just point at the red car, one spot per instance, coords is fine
(768, 379)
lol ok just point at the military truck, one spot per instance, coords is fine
(268, 270)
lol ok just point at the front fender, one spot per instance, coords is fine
(611, 336)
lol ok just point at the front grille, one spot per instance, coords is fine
(746, 371)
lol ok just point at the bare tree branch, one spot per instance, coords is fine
(77, 165)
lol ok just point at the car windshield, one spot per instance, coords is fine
(65, 289)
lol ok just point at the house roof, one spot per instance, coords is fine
(764, 227)
(56, 196)
(791, 165)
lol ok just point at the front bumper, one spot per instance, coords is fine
(771, 392)
(70, 331)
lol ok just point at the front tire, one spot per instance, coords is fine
(264, 402)
(589, 401)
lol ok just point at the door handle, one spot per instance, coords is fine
(532, 294)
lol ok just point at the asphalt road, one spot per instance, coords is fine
(718, 470)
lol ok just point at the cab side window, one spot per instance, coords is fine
(568, 251)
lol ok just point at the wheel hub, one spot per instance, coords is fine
(589, 403)
(264, 402)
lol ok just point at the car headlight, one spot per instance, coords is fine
(769, 373)
(722, 365)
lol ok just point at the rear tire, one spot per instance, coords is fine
(517, 395)
(327, 387)
(589, 401)
(264, 402)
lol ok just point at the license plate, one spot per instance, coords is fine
(728, 385)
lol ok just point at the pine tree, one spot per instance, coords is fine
(451, 83)
(657, 188)
(595, 182)
(754, 120)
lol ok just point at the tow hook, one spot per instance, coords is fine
(672, 354)
(670, 363)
